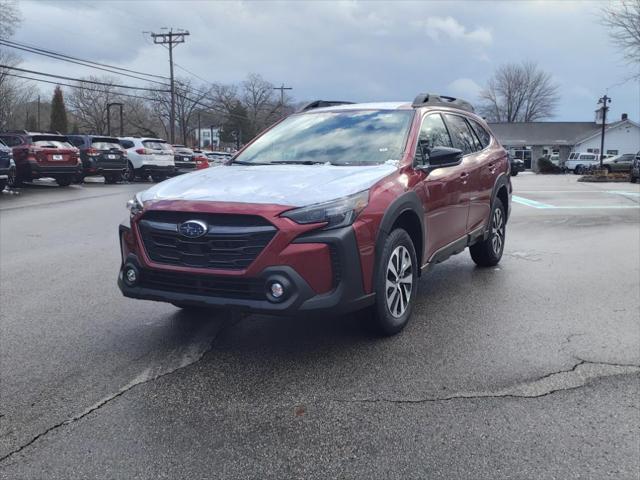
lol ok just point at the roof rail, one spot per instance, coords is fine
(431, 99)
(323, 103)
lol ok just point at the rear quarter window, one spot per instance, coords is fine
(126, 143)
(483, 135)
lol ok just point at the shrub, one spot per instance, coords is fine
(546, 166)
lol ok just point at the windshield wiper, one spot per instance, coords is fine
(296, 162)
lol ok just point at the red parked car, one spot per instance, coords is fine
(335, 208)
(39, 155)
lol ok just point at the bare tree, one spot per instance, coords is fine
(89, 104)
(13, 92)
(258, 97)
(9, 17)
(519, 93)
(622, 19)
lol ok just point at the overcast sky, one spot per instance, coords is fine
(360, 51)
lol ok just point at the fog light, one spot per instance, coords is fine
(130, 275)
(277, 290)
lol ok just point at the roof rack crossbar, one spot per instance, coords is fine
(431, 99)
(323, 103)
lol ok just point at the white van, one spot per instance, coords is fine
(578, 162)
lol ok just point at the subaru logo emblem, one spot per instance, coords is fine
(193, 229)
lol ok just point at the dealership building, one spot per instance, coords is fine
(530, 141)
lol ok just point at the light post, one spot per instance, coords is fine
(109, 105)
(603, 101)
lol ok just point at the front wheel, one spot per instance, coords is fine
(577, 170)
(395, 284)
(488, 252)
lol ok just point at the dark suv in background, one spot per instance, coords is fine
(7, 167)
(100, 156)
(184, 159)
(40, 155)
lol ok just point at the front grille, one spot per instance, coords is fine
(244, 288)
(232, 242)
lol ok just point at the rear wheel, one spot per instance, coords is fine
(578, 170)
(64, 181)
(159, 177)
(514, 173)
(488, 252)
(111, 179)
(395, 283)
(130, 173)
(3, 183)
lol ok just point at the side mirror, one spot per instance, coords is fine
(440, 157)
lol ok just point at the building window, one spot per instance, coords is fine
(612, 152)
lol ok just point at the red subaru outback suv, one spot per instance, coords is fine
(338, 207)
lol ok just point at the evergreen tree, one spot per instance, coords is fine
(58, 112)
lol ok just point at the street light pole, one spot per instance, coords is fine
(109, 105)
(603, 101)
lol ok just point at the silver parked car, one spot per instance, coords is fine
(619, 163)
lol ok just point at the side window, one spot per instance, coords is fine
(76, 141)
(126, 143)
(483, 135)
(12, 141)
(434, 132)
(461, 135)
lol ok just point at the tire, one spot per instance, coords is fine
(634, 179)
(158, 178)
(577, 170)
(514, 173)
(111, 179)
(12, 181)
(64, 181)
(3, 183)
(395, 294)
(488, 252)
(130, 173)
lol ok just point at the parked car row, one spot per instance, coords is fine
(26, 156)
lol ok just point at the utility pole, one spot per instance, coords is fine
(199, 132)
(171, 38)
(603, 101)
(282, 88)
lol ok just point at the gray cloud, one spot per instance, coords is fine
(347, 50)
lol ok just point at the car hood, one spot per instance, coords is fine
(291, 185)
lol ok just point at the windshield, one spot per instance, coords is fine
(339, 138)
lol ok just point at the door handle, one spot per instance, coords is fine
(464, 176)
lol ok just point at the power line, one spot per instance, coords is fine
(33, 50)
(81, 60)
(94, 82)
(118, 94)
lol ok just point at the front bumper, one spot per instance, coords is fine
(251, 293)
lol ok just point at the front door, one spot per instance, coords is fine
(447, 201)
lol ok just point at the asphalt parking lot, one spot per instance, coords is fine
(527, 370)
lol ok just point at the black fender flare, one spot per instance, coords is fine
(503, 180)
(408, 201)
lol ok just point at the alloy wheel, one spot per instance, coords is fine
(399, 282)
(497, 231)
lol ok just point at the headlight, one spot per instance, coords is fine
(336, 213)
(135, 205)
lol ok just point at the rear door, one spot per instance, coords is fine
(108, 152)
(54, 150)
(162, 152)
(447, 205)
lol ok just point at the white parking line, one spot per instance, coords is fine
(535, 204)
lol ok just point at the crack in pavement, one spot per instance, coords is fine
(580, 375)
(191, 356)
